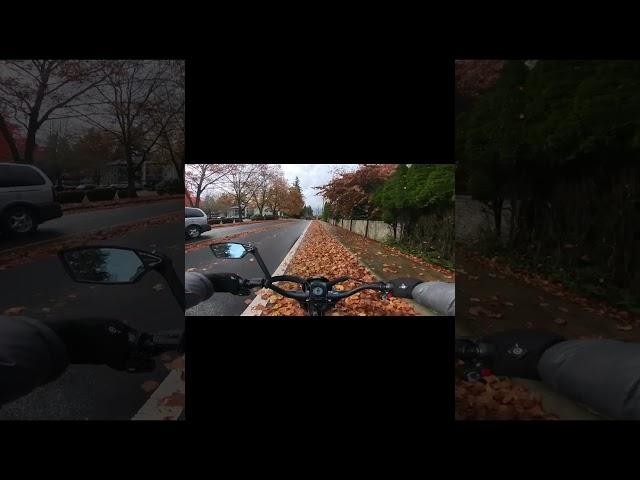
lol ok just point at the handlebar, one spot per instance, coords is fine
(477, 357)
(331, 295)
(153, 344)
(382, 286)
(144, 346)
(467, 349)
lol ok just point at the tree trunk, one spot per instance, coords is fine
(131, 181)
(29, 145)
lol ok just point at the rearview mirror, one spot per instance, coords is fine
(228, 250)
(107, 265)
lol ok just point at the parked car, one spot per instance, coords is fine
(27, 199)
(195, 222)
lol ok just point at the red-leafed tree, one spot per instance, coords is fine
(6, 153)
(349, 194)
(475, 76)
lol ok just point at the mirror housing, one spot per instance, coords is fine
(239, 250)
(231, 250)
(107, 265)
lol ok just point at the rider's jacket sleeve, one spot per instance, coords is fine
(603, 374)
(31, 354)
(197, 288)
(438, 296)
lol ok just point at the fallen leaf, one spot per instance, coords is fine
(13, 311)
(508, 304)
(562, 309)
(624, 328)
(544, 304)
(150, 385)
(560, 321)
(158, 286)
(176, 399)
(176, 364)
(248, 301)
(473, 299)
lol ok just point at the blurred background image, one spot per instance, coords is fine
(548, 238)
(91, 153)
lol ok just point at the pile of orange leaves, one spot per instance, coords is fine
(497, 399)
(321, 255)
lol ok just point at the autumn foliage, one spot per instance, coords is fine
(497, 399)
(322, 255)
(475, 76)
(351, 192)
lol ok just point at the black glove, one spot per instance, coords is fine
(519, 351)
(227, 282)
(95, 341)
(402, 287)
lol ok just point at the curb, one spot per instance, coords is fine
(153, 408)
(66, 238)
(258, 300)
(141, 201)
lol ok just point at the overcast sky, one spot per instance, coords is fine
(313, 175)
(310, 175)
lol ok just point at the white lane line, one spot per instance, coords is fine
(161, 405)
(250, 310)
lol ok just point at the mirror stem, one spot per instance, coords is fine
(165, 268)
(256, 254)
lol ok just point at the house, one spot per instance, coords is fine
(248, 211)
(151, 173)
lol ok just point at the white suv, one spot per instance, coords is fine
(195, 222)
(27, 198)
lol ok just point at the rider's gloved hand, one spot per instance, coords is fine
(94, 341)
(227, 282)
(402, 287)
(519, 351)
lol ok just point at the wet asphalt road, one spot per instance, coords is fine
(273, 246)
(228, 230)
(73, 223)
(96, 392)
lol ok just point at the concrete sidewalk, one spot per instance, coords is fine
(383, 261)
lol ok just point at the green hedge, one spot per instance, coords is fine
(101, 194)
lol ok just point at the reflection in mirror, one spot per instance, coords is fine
(228, 250)
(104, 265)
